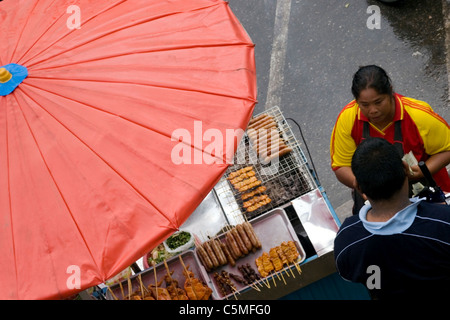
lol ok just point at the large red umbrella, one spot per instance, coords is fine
(100, 143)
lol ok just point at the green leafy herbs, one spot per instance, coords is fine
(178, 239)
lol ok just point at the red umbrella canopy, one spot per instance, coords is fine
(111, 120)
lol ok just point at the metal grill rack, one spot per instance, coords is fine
(285, 178)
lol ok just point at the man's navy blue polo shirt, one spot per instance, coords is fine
(411, 252)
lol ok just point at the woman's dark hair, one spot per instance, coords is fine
(378, 168)
(371, 77)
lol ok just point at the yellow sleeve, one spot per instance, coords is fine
(433, 129)
(342, 145)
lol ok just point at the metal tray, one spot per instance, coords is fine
(148, 276)
(272, 229)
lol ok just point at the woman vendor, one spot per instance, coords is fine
(409, 124)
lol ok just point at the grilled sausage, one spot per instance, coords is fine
(244, 237)
(211, 254)
(256, 119)
(278, 154)
(215, 245)
(239, 241)
(204, 258)
(256, 134)
(234, 247)
(252, 235)
(227, 254)
(260, 124)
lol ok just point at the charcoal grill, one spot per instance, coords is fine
(285, 178)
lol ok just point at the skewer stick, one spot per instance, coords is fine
(156, 281)
(281, 273)
(234, 295)
(185, 269)
(258, 282)
(254, 286)
(112, 293)
(142, 286)
(277, 273)
(172, 284)
(265, 281)
(290, 269)
(187, 274)
(299, 270)
(129, 287)
(121, 289)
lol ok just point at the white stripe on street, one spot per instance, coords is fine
(278, 57)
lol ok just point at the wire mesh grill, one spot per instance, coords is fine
(282, 179)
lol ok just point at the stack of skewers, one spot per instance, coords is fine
(278, 257)
(239, 241)
(250, 188)
(193, 289)
(266, 139)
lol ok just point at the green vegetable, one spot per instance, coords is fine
(178, 239)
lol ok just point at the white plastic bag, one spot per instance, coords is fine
(183, 247)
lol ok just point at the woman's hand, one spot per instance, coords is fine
(434, 163)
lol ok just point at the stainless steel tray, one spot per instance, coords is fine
(148, 276)
(272, 229)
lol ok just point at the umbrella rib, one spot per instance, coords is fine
(98, 155)
(153, 86)
(53, 179)
(41, 36)
(166, 49)
(10, 202)
(68, 33)
(110, 32)
(21, 33)
(126, 119)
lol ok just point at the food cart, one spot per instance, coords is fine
(289, 206)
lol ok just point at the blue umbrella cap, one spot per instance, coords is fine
(11, 75)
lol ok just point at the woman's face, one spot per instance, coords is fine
(378, 108)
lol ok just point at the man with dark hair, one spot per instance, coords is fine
(397, 247)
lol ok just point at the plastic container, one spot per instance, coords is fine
(183, 247)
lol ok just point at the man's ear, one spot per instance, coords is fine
(357, 188)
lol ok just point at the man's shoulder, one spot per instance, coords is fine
(350, 231)
(350, 221)
(434, 211)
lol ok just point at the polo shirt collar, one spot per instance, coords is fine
(401, 221)
(399, 110)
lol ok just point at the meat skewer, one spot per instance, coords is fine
(234, 174)
(195, 289)
(252, 235)
(256, 119)
(239, 241)
(175, 292)
(244, 237)
(234, 247)
(215, 245)
(204, 258)
(255, 192)
(283, 259)
(228, 254)
(211, 254)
